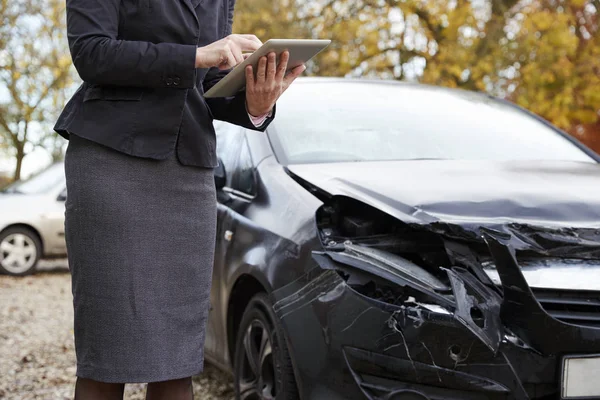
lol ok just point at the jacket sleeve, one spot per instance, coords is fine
(100, 58)
(230, 109)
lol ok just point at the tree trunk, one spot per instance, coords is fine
(20, 156)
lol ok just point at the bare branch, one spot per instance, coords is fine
(53, 85)
(5, 126)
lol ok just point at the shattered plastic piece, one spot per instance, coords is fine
(409, 270)
(522, 313)
(473, 298)
(361, 267)
(435, 308)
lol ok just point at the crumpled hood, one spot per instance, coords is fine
(541, 193)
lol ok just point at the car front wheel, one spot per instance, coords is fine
(20, 251)
(262, 365)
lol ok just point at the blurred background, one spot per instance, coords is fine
(541, 54)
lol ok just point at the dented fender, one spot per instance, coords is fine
(468, 340)
(414, 346)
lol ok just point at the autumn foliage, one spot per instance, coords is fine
(35, 73)
(543, 55)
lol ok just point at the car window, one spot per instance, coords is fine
(233, 151)
(43, 182)
(377, 121)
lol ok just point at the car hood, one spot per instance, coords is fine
(482, 193)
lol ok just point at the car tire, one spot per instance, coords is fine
(20, 251)
(258, 330)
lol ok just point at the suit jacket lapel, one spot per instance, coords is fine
(190, 5)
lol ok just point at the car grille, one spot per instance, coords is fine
(573, 307)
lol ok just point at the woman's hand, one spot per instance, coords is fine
(263, 90)
(226, 53)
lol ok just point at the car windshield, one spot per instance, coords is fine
(40, 183)
(339, 121)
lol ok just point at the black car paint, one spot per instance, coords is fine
(412, 349)
(272, 242)
(347, 345)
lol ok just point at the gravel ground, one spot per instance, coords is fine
(37, 357)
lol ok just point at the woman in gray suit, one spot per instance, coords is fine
(141, 209)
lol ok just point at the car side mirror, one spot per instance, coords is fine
(220, 175)
(62, 196)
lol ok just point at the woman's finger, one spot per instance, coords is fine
(237, 53)
(283, 63)
(249, 79)
(271, 67)
(261, 72)
(246, 44)
(229, 59)
(253, 38)
(246, 55)
(296, 72)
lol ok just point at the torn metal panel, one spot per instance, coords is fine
(477, 307)
(549, 241)
(461, 254)
(524, 315)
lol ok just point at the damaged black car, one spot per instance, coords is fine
(404, 242)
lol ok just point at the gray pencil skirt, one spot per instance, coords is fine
(140, 239)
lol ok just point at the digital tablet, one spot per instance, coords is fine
(301, 50)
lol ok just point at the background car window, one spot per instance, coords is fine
(371, 121)
(232, 149)
(43, 182)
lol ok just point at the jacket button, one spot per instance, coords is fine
(169, 81)
(176, 81)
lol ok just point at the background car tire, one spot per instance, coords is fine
(278, 383)
(27, 246)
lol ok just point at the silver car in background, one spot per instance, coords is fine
(32, 221)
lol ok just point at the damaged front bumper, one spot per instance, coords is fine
(468, 340)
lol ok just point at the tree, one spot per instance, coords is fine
(4, 180)
(542, 54)
(333, 19)
(35, 73)
(258, 17)
(560, 79)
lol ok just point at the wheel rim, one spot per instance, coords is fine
(17, 253)
(257, 377)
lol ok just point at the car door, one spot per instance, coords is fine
(233, 198)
